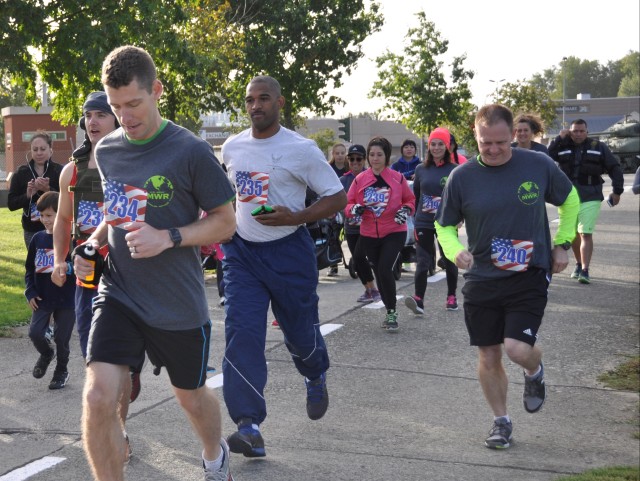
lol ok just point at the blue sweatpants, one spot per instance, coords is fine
(284, 273)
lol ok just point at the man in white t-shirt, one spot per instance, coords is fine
(271, 259)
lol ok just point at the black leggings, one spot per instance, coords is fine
(360, 263)
(424, 262)
(383, 254)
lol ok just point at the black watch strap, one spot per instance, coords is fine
(176, 238)
(566, 246)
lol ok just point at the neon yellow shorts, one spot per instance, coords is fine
(588, 216)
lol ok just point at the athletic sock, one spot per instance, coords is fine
(536, 374)
(214, 465)
(505, 417)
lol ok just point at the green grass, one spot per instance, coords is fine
(625, 377)
(606, 474)
(14, 310)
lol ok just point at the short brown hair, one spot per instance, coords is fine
(494, 113)
(535, 123)
(384, 144)
(48, 200)
(126, 64)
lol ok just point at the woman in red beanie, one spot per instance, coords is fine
(429, 181)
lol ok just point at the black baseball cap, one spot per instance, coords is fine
(357, 149)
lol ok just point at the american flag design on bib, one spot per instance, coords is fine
(252, 187)
(376, 199)
(44, 261)
(511, 254)
(90, 214)
(124, 203)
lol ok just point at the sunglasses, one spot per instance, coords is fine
(356, 159)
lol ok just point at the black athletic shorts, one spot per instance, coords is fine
(511, 307)
(118, 336)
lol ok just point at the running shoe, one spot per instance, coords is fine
(391, 321)
(500, 436)
(452, 303)
(583, 278)
(59, 379)
(317, 397)
(375, 295)
(333, 271)
(222, 301)
(247, 440)
(415, 304)
(576, 272)
(42, 364)
(136, 386)
(365, 297)
(534, 392)
(223, 473)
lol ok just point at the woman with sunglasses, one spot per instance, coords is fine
(384, 200)
(356, 159)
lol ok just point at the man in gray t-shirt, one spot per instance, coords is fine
(501, 197)
(156, 177)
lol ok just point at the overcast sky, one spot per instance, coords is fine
(509, 40)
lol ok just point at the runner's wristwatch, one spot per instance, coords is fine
(176, 238)
(566, 246)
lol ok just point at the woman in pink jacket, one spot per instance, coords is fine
(384, 200)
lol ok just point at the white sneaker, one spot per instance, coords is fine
(224, 472)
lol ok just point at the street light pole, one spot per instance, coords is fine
(564, 84)
(498, 82)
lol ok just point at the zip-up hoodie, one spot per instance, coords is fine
(18, 192)
(381, 223)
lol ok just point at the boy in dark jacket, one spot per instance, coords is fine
(48, 300)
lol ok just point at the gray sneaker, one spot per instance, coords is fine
(500, 436)
(534, 392)
(224, 472)
(576, 272)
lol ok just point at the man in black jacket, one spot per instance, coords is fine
(584, 160)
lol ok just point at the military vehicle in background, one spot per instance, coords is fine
(623, 138)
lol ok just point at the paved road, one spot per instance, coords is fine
(405, 406)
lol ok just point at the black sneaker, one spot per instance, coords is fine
(391, 321)
(583, 278)
(59, 379)
(317, 397)
(576, 272)
(415, 304)
(333, 271)
(534, 392)
(247, 440)
(500, 436)
(42, 364)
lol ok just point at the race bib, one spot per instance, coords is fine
(89, 216)
(34, 215)
(511, 254)
(430, 204)
(354, 221)
(376, 199)
(124, 203)
(44, 261)
(252, 187)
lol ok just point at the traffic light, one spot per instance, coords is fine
(344, 129)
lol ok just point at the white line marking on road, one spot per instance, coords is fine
(31, 469)
(218, 380)
(329, 328)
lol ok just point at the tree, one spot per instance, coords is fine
(10, 94)
(414, 84)
(63, 43)
(305, 45)
(325, 138)
(525, 97)
(630, 67)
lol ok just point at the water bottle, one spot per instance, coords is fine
(88, 252)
